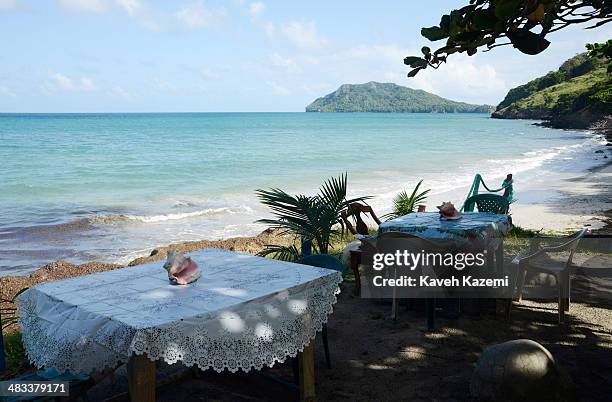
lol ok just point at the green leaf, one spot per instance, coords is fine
(445, 22)
(415, 62)
(527, 41)
(425, 50)
(18, 293)
(312, 218)
(404, 204)
(434, 33)
(506, 8)
(414, 72)
(484, 19)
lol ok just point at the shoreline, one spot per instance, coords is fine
(584, 202)
(565, 203)
(579, 200)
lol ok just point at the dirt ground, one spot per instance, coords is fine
(377, 359)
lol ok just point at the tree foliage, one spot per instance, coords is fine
(307, 218)
(574, 67)
(404, 204)
(388, 97)
(522, 23)
(577, 95)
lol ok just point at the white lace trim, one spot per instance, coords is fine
(254, 336)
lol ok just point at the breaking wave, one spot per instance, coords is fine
(122, 218)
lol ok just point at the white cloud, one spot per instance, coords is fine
(62, 82)
(132, 7)
(163, 86)
(278, 90)
(304, 34)
(139, 11)
(463, 78)
(317, 89)
(118, 91)
(209, 74)
(87, 84)
(9, 5)
(89, 6)
(196, 16)
(255, 9)
(286, 63)
(269, 28)
(7, 91)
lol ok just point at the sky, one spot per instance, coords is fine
(224, 56)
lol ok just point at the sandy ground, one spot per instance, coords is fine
(582, 200)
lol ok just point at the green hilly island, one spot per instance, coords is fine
(389, 97)
(577, 95)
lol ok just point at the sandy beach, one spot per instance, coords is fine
(580, 200)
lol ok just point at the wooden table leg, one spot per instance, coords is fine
(141, 378)
(355, 261)
(307, 376)
(499, 257)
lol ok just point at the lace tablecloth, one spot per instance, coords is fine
(475, 228)
(244, 312)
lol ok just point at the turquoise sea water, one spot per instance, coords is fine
(111, 187)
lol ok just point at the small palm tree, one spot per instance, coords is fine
(404, 204)
(308, 218)
(8, 313)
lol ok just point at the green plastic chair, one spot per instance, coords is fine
(329, 262)
(487, 203)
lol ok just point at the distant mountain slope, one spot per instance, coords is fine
(388, 97)
(577, 95)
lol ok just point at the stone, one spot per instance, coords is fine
(518, 370)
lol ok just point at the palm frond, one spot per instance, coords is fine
(8, 322)
(312, 218)
(283, 253)
(404, 204)
(18, 293)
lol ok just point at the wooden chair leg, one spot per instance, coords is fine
(326, 345)
(568, 291)
(499, 258)
(355, 261)
(394, 305)
(521, 275)
(561, 303)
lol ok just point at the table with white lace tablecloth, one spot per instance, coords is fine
(244, 313)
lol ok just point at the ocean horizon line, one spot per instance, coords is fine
(230, 112)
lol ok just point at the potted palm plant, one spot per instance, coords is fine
(404, 204)
(313, 220)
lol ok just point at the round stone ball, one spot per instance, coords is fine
(518, 370)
